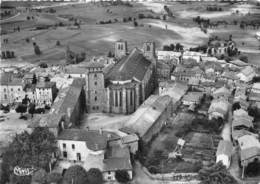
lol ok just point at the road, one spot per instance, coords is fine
(8, 19)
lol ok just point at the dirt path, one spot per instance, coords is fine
(10, 18)
(190, 35)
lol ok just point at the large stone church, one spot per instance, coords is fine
(124, 87)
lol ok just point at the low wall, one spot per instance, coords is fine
(175, 178)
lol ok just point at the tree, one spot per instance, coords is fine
(94, 176)
(21, 109)
(43, 65)
(26, 100)
(31, 109)
(76, 175)
(37, 50)
(216, 174)
(28, 150)
(39, 177)
(34, 80)
(53, 178)
(122, 176)
(110, 54)
(135, 24)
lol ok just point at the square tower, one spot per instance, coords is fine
(120, 49)
(95, 87)
(149, 51)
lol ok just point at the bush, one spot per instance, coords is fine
(122, 176)
(141, 16)
(77, 174)
(43, 65)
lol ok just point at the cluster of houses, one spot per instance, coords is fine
(125, 85)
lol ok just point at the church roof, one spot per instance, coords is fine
(131, 66)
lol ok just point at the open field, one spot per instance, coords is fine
(98, 39)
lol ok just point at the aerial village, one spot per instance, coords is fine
(148, 114)
(186, 108)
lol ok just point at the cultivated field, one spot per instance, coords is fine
(98, 39)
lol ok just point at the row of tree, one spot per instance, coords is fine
(7, 54)
(214, 8)
(178, 47)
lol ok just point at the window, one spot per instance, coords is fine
(131, 98)
(109, 172)
(5, 96)
(118, 47)
(18, 89)
(97, 107)
(116, 100)
(78, 157)
(64, 154)
(11, 89)
(64, 145)
(95, 92)
(73, 146)
(95, 83)
(95, 98)
(120, 98)
(4, 90)
(95, 75)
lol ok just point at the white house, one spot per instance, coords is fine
(224, 152)
(218, 109)
(168, 55)
(11, 89)
(78, 144)
(45, 93)
(256, 88)
(247, 74)
(192, 98)
(222, 92)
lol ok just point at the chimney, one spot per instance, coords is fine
(100, 131)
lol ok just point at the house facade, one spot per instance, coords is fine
(45, 93)
(11, 89)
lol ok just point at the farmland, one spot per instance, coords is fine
(46, 28)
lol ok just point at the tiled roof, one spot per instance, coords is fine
(7, 78)
(221, 90)
(132, 66)
(248, 71)
(45, 84)
(93, 64)
(238, 62)
(192, 96)
(224, 147)
(75, 70)
(115, 164)
(147, 114)
(250, 154)
(94, 139)
(117, 152)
